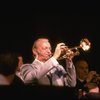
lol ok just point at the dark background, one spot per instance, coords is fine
(69, 23)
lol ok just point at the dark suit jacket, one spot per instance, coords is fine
(79, 87)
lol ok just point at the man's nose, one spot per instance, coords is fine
(49, 51)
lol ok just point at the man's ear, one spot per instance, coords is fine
(34, 51)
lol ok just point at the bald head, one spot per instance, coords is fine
(39, 41)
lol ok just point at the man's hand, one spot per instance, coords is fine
(60, 48)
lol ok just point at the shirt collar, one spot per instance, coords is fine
(39, 61)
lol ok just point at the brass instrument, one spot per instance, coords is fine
(84, 45)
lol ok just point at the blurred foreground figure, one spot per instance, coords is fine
(8, 67)
(90, 92)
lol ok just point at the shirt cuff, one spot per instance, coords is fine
(69, 64)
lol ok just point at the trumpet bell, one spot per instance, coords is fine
(85, 44)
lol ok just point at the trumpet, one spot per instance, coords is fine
(74, 51)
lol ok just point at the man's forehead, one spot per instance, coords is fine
(40, 41)
(43, 43)
(82, 64)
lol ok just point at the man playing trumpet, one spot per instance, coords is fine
(45, 69)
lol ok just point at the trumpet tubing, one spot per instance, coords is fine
(74, 51)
